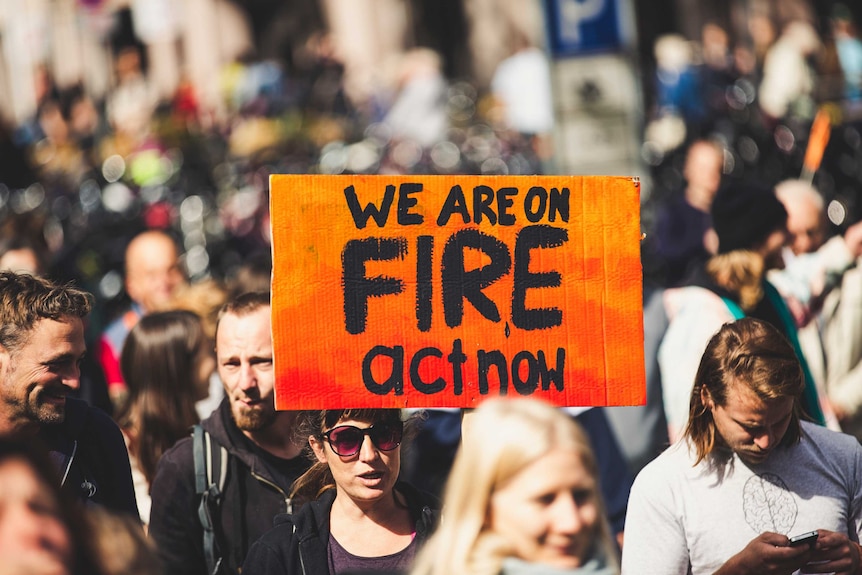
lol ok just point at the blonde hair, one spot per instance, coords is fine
(504, 437)
(741, 273)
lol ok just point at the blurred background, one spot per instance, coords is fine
(120, 115)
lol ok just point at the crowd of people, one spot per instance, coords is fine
(138, 430)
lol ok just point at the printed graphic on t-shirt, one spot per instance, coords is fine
(768, 504)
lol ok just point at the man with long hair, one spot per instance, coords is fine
(748, 474)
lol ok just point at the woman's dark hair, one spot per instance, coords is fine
(160, 365)
(311, 484)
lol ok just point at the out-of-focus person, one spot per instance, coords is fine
(41, 349)
(523, 497)
(680, 106)
(751, 224)
(153, 273)
(748, 474)
(683, 234)
(418, 112)
(204, 298)
(787, 87)
(806, 217)
(849, 48)
(41, 531)
(167, 361)
(18, 254)
(831, 333)
(120, 546)
(359, 518)
(131, 103)
(522, 85)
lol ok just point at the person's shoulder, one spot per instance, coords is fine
(417, 498)
(696, 304)
(675, 461)
(122, 324)
(829, 440)
(180, 452)
(175, 472)
(83, 419)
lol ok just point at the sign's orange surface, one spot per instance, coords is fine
(438, 291)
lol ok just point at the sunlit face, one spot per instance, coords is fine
(804, 227)
(549, 511)
(749, 426)
(152, 270)
(33, 540)
(367, 476)
(37, 377)
(244, 359)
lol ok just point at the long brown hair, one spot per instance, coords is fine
(750, 352)
(160, 365)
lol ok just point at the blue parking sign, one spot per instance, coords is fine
(583, 26)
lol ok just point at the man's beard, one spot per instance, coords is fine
(48, 413)
(33, 407)
(34, 410)
(253, 419)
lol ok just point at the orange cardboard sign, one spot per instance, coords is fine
(439, 291)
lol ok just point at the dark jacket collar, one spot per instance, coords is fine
(61, 438)
(312, 520)
(222, 427)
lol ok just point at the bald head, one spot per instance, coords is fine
(152, 269)
(805, 216)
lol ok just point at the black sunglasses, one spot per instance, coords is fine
(346, 440)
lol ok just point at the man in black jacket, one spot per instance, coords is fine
(263, 458)
(41, 348)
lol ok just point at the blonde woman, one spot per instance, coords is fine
(522, 498)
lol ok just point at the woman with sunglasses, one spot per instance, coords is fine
(359, 516)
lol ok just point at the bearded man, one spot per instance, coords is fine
(263, 459)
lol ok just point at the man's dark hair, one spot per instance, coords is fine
(244, 304)
(25, 299)
(749, 352)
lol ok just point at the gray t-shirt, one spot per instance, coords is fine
(683, 519)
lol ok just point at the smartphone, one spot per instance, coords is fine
(804, 539)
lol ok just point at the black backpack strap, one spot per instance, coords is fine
(210, 473)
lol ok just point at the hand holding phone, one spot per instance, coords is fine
(809, 539)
